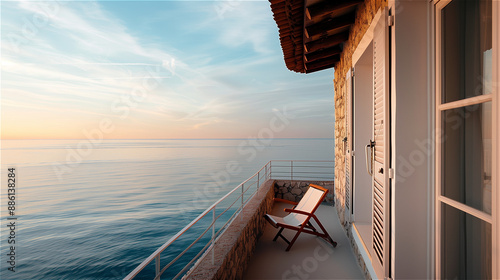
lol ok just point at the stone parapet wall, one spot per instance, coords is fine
(295, 190)
(235, 246)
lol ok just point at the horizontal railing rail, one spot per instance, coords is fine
(275, 169)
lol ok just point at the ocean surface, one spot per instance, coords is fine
(95, 210)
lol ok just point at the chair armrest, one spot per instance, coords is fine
(299, 212)
(286, 201)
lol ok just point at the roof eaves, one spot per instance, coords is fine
(289, 16)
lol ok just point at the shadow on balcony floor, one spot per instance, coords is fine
(309, 258)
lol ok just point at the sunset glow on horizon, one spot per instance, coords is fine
(154, 70)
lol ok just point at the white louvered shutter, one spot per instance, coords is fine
(380, 182)
(348, 148)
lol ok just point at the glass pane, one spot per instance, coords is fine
(466, 49)
(467, 154)
(466, 246)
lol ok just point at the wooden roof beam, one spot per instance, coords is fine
(311, 70)
(280, 17)
(326, 42)
(294, 8)
(329, 62)
(329, 24)
(323, 53)
(326, 7)
(278, 5)
(274, 2)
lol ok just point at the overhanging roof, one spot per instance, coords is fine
(312, 32)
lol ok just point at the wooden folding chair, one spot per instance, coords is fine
(300, 215)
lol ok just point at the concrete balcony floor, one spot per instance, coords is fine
(310, 257)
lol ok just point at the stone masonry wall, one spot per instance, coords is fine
(235, 246)
(295, 190)
(364, 16)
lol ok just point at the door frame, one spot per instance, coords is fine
(360, 49)
(349, 146)
(496, 137)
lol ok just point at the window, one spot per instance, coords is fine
(464, 145)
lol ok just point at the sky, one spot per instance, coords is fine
(153, 70)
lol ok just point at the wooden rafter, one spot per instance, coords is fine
(311, 70)
(322, 54)
(330, 7)
(328, 25)
(330, 61)
(326, 42)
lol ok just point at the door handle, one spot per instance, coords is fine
(369, 157)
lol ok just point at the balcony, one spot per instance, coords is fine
(236, 242)
(309, 258)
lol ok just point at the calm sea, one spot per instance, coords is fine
(96, 210)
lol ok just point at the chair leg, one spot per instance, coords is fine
(281, 235)
(278, 234)
(293, 240)
(309, 225)
(326, 235)
(308, 228)
(332, 242)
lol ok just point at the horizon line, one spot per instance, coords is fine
(14, 139)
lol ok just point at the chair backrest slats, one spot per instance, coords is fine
(309, 203)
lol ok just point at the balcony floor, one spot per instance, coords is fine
(310, 257)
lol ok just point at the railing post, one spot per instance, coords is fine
(157, 266)
(267, 175)
(258, 180)
(242, 193)
(291, 171)
(213, 236)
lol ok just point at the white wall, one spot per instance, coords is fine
(412, 158)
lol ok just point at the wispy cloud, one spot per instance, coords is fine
(197, 69)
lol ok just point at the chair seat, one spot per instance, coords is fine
(290, 220)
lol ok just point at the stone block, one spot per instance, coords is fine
(296, 191)
(289, 196)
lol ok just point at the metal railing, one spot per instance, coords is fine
(300, 170)
(276, 169)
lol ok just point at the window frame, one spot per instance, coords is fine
(494, 217)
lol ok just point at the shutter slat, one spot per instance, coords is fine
(378, 251)
(378, 235)
(378, 213)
